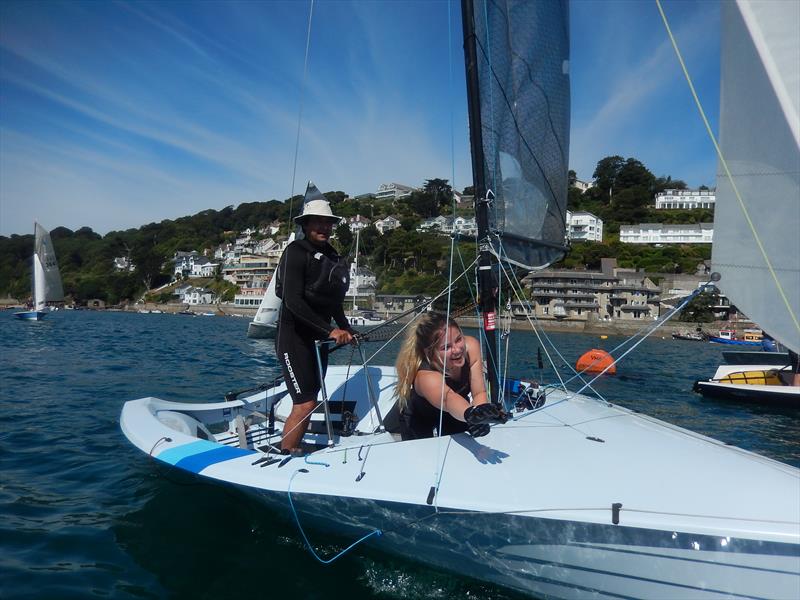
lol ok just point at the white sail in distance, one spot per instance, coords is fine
(757, 217)
(46, 277)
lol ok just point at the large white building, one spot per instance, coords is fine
(393, 191)
(666, 233)
(584, 226)
(685, 199)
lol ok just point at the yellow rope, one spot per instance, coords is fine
(724, 164)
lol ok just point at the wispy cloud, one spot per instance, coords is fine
(157, 110)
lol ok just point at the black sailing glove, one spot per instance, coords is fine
(478, 418)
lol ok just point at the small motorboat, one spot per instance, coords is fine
(689, 336)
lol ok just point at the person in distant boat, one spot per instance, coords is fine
(436, 352)
(312, 283)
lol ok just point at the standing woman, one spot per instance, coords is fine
(312, 283)
(434, 354)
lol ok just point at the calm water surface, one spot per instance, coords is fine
(83, 513)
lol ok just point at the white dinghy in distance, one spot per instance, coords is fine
(572, 498)
(265, 323)
(45, 277)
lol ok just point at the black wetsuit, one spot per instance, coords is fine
(310, 299)
(421, 418)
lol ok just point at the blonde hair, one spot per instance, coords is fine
(418, 346)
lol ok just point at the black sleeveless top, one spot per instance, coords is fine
(420, 418)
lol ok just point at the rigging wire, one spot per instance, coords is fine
(437, 472)
(300, 110)
(728, 173)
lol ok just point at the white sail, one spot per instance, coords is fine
(46, 277)
(757, 220)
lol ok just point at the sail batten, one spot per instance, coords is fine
(757, 216)
(522, 58)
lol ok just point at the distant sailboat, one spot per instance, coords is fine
(360, 318)
(45, 278)
(756, 249)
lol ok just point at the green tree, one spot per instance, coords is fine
(344, 236)
(700, 308)
(606, 173)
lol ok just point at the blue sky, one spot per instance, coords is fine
(117, 114)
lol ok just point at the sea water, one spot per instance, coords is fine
(84, 514)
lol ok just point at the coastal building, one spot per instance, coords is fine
(394, 304)
(387, 224)
(584, 226)
(184, 262)
(583, 185)
(666, 233)
(357, 223)
(199, 295)
(393, 191)
(250, 268)
(463, 199)
(685, 199)
(123, 263)
(465, 226)
(202, 267)
(250, 295)
(362, 286)
(608, 294)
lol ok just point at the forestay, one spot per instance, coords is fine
(523, 74)
(759, 133)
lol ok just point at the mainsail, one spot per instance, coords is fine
(522, 61)
(46, 278)
(757, 216)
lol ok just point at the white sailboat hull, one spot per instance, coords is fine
(784, 395)
(31, 315)
(530, 506)
(258, 330)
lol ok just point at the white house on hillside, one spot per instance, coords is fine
(665, 233)
(393, 191)
(202, 267)
(584, 226)
(196, 295)
(685, 199)
(387, 224)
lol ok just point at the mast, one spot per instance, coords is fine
(355, 272)
(487, 288)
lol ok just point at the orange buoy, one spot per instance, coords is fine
(595, 361)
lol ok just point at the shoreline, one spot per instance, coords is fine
(589, 327)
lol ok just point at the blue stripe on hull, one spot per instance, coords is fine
(196, 456)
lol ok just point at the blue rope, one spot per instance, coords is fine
(376, 533)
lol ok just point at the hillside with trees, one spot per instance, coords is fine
(404, 260)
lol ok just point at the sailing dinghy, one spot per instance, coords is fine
(45, 277)
(573, 497)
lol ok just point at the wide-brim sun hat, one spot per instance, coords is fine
(317, 208)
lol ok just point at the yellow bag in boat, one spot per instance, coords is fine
(752, 378)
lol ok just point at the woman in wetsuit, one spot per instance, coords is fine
(432, 351)
(312, 283)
